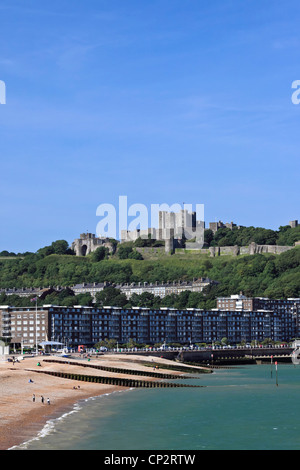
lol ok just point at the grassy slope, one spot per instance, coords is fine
(268, 275)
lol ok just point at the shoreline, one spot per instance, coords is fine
(23, 419)
(37, 428)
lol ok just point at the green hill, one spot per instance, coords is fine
(243, 236)
(274, 276)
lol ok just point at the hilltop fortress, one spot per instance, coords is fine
(178, 230)
(174, 230)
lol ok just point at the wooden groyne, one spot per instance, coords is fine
(117, 370)
(121, 382)
(188, 369)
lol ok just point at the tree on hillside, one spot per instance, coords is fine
(111, 297)
(127, 252)
(100, 254)
(59, 247)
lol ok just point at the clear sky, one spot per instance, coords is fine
(164, 101)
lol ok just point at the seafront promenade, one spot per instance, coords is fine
(220, 356)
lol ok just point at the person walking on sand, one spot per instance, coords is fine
(42, 399)
(33, 398)
(48, 401)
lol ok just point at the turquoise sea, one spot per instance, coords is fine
(239, 409)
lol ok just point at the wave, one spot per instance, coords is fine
(51, 424)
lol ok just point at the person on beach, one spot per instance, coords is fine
(33, 398)
(42, 399)
(48, 401)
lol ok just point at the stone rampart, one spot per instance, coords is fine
(251, 249)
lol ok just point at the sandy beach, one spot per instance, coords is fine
(22, 417)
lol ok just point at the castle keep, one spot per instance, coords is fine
(174, 229)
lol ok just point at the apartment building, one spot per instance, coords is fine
(241, 302)
(236, 302)
(24, 325)
(88, 325)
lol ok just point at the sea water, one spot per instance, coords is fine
(241, 408)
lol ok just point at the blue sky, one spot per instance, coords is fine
(164, 101)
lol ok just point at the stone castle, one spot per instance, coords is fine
(88, 242)
(175, 230)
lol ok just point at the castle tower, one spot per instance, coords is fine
(88, 242)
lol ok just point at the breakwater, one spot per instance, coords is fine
(215, 357)
(121, 382)
(155, 374)
(232, 356)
